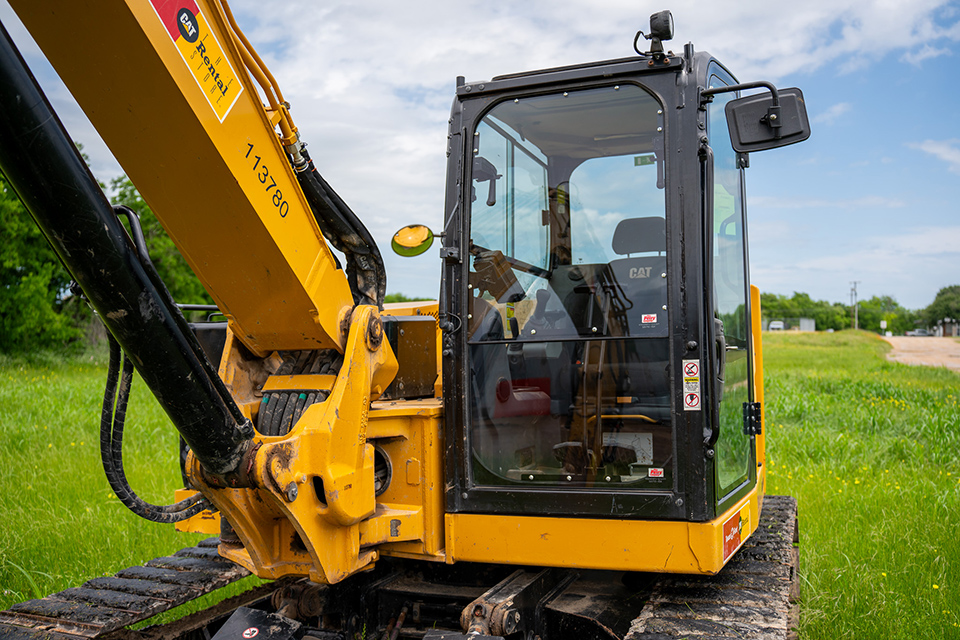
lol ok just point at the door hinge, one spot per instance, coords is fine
(752, 423)
(450, 254)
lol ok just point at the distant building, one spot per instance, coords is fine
(947, 329)
(788, 324)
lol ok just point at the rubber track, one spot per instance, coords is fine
(752, 597)
(105, 604)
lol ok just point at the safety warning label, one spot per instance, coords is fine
(202, 52)
(735, 531)
(691, 385)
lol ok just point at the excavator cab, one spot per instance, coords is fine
(602, 363)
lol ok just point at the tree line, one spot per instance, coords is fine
(870, 312)
(39, 311)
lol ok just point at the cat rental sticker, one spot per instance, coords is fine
(201, 51)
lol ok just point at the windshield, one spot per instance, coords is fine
(567, 317)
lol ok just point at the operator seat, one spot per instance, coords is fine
(641, 367)
(641, 280)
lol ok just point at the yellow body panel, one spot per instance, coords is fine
(218, 188)
(297, 383)
(207, 522)
(410, 432)
(588, 543)
(760, 439)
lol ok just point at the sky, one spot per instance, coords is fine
(873, 196)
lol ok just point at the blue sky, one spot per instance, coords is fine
(872, 196)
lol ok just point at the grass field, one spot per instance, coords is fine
(61, 523)
(870, 448)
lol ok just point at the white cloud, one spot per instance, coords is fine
(946, 150)
(915, 261)
(833, 113)
(925, 52)
(371, 83)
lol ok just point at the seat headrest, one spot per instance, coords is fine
(637, 235)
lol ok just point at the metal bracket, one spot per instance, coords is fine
(510, 606)
(752, 421)
(772, 119)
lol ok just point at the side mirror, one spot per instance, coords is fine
(757, 124)
(412, 240)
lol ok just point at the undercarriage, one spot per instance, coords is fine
(754, 596)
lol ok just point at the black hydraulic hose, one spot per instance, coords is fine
(45, 170)
(344, 230)
(112, 418)
(116, 446)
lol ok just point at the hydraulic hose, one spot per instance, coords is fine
(112, 419)
(344, 230)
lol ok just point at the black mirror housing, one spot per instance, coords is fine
(749, 121)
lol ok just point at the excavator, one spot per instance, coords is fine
(568, 443)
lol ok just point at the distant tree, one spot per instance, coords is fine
(946, 304)
(827, 315)
(399, 297)
(877, 308)
(33, 284)
(37, 310)
(171, 266)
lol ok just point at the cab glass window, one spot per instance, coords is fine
(730, 297)
(567, 293)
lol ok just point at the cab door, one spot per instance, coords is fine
(734, 459)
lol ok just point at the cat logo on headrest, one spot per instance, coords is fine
(640, 272)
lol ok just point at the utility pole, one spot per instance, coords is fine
(854, 303)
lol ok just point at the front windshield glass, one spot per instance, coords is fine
(567, 299)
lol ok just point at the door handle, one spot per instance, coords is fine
(721, 347)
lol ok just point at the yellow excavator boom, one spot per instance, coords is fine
(174, 102)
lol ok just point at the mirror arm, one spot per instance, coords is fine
(772, 119)
(706, 95)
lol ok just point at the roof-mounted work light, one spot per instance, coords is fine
(661, 28)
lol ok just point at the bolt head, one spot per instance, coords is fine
(291, 492)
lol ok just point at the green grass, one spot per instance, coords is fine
(61, 523)
(871, 449)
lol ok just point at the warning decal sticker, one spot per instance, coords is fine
(735, 530)
(202, 52)
(691, 385)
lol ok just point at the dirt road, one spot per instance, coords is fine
(931, 352)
